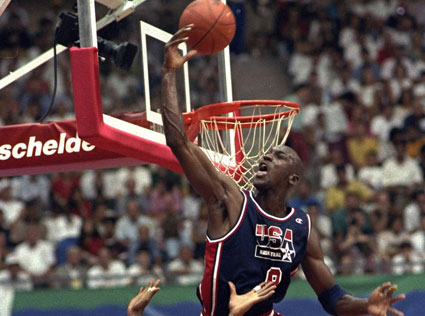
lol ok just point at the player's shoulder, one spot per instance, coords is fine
(300, 216)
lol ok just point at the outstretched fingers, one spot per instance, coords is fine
(398, 298)
(267, 289)
(180, 36)
(385, 287)
(395, 312)
(156, 283)
(183, 30)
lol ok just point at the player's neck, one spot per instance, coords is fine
(272, 203)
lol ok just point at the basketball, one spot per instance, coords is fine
(214, 25)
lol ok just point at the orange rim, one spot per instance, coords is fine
(214, 111)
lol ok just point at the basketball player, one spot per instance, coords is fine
(252, 236)
(238, 305)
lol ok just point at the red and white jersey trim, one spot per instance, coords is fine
(215, 278)
(309, 226)
(267, 215)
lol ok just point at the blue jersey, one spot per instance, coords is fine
(260, 247)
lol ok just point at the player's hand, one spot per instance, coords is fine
(381, 300)
(240, 304)
(173, 59)
(141, 300)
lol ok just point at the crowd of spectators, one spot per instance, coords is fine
(358, 70)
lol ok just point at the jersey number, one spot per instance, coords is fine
(274, 275)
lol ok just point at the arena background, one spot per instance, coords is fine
(327, 55)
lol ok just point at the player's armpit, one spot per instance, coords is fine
(220, 192)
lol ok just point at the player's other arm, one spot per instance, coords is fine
(219, 191)
(334, 299)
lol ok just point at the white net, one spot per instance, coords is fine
(259, 130)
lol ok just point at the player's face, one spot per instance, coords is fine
(275, 168)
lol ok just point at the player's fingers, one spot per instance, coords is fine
(156, 283)
(232, 288)
(385, 287)
(265, 295)
(395, 312)
(190, 54)
(266, 289)
(267, 285)
(182, 31)
(185, 28)
(398, 298)
(391, 290)
(141, 289)
(175, 42)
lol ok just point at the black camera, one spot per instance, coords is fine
(121, 54)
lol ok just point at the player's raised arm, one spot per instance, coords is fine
(221, 193)
(337, 301)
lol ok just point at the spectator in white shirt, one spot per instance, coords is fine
(30, 187)
(62, 225)
(127, 228)
(328, 174)
(140, 175)
(107, 273)
(418, 238)
(13, 276)
(383, 123)
(399, 56)
(143, 270)
(368, 87)
(36, 256)
(99, 184)
(336, 119)
(185, 269)
(401, 171)
(407, 260)
(389, 240)
(412, 212)
(399, 81)
(12, 208)
(371, 173)
(344, 83)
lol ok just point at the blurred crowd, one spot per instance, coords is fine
(358, 70)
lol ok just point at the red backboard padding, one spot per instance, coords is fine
(89, 116)
(51, 147)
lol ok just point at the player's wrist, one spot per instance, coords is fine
(168, 69)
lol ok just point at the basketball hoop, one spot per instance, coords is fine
(256, 126)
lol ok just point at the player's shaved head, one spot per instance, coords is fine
(295, 159)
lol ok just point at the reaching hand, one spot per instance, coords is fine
(381, 299)
(141, 300)
(173, 59)
(240, 304)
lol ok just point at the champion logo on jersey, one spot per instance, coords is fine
(299, 220)
(271, 245)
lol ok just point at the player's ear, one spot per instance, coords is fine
(294, 179)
